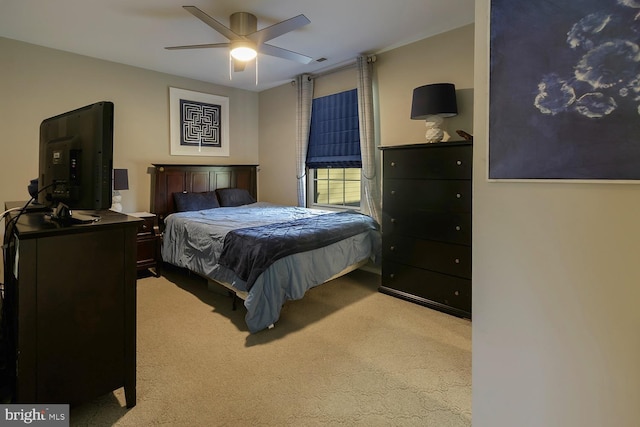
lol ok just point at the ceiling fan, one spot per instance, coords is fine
(244, 39)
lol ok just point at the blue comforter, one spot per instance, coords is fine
(195, 240)
(249, 251)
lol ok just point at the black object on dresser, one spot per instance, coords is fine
(71, 307)
(426, 225)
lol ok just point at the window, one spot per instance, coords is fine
(333, 155)
(336, 187)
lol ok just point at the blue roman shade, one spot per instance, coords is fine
(334, 137)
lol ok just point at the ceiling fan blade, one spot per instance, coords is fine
(198, 46)
(238, 66)
(268, 49)
(225, 31)
(278, 29)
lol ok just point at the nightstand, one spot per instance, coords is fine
(148, 242)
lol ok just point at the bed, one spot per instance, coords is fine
(265, 254)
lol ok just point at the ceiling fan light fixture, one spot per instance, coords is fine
(245, 38)
(243, 51)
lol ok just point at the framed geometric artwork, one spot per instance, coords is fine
(564, 90)
(199, 123)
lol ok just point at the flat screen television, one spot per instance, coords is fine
(76, 160)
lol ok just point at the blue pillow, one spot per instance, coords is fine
(195, 201)
(234, 197)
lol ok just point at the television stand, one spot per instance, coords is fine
(71, 308)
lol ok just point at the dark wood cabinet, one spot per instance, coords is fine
(426, 225)
(148, 242)
(71, 296)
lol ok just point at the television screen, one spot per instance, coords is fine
(76, 158)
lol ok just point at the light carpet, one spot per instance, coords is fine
(343, 355)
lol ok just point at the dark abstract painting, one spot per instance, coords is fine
(200, 124)
(564, 98)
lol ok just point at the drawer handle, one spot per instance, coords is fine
(392, 276)
(457, 261)
(459, 163)
(458, 195)
(144, 226)
(392, 248)
(456, 293)
(393, 220)
(393, 192)
(458, 228)
(393, 164)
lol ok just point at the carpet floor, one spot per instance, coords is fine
(343, 355)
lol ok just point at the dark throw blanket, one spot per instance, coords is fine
(250, 251)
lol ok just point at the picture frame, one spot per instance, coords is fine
(199, 123)
(564, 91)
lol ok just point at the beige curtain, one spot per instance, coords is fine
(304, 85)
(371, 203)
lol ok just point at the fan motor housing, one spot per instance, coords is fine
(243, 23)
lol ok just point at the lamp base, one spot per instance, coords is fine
(116, 200)
(434, 133)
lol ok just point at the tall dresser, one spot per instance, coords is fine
(426, 225)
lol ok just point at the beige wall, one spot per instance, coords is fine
(396, 73)
(556, 286)
(445, 58)
(277, 175)
(36, 83)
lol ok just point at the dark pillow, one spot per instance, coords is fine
(234, 197)
(195, 201)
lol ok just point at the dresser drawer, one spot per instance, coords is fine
(147, 251)
(429, 255)
(428, 225)
(440, 161)
(146, 226)
(427, 286)
(148, 242)
(440, 195)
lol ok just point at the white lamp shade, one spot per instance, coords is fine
(243, 51)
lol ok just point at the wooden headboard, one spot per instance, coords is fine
(167, 179)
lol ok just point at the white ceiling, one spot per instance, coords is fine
(135, 32)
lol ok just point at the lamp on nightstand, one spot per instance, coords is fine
(432, 103)
(120, 182)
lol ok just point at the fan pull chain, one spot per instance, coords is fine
(230, 66)
(257, 70)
